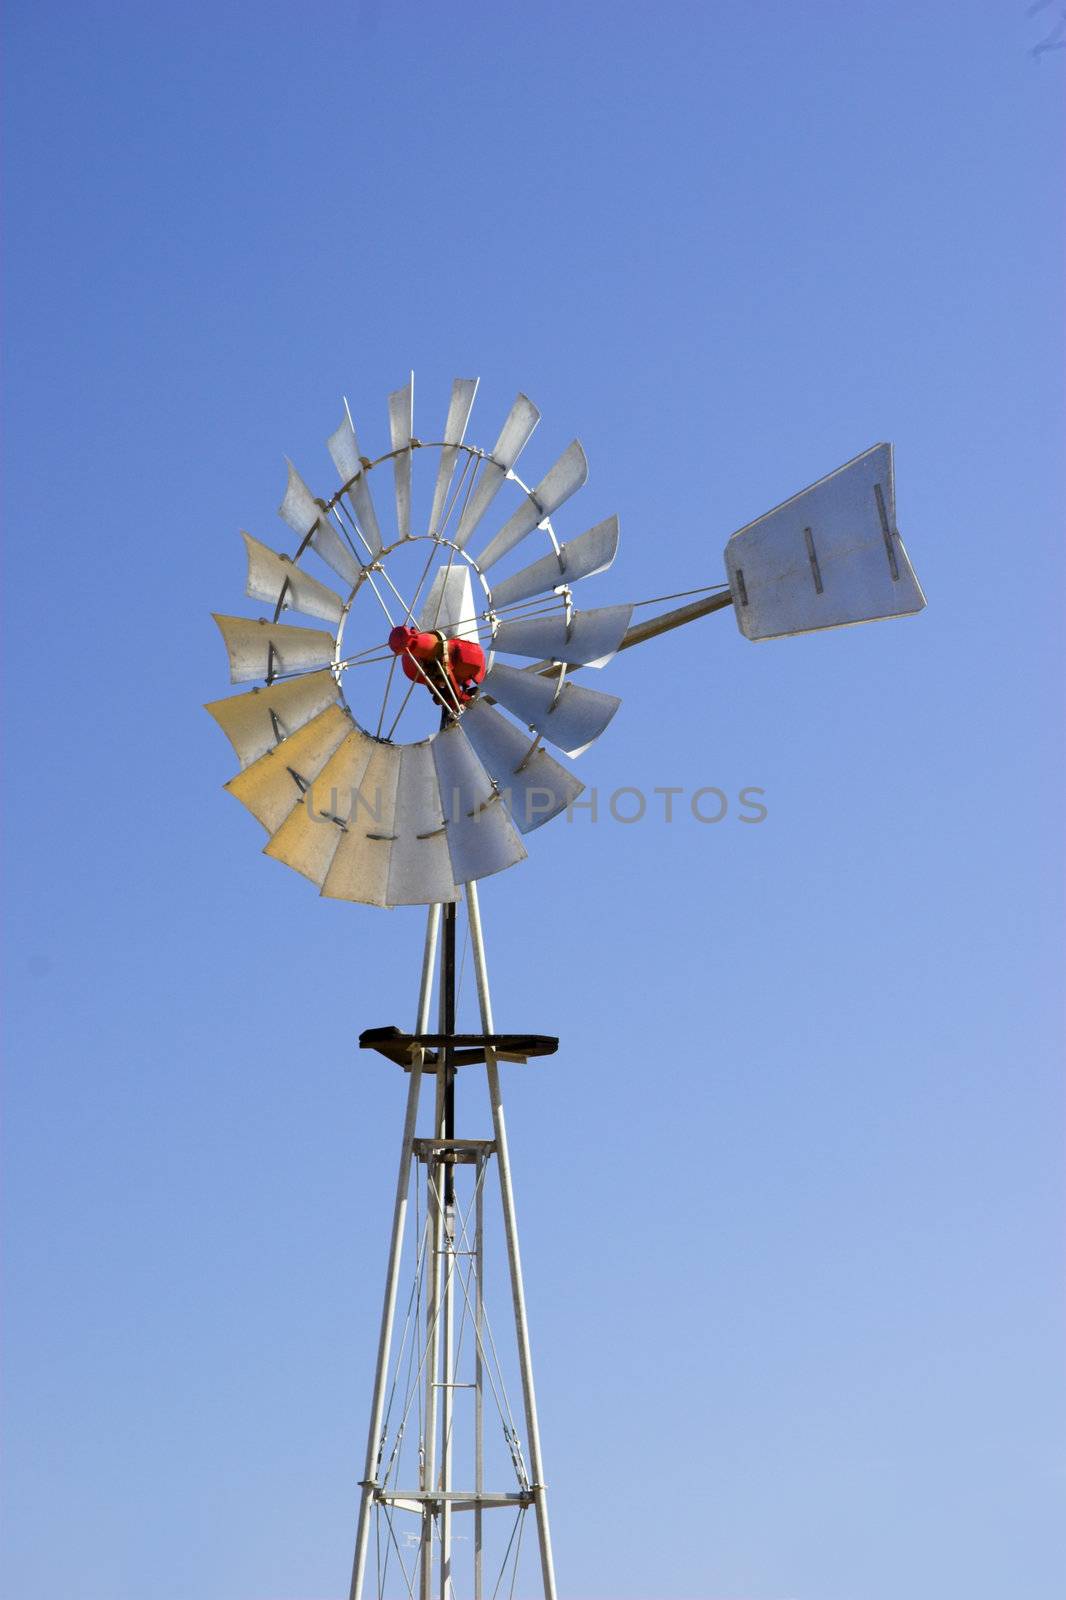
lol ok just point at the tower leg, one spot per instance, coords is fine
(479, 1374)
(518, 1296)
(435, 1215)
(446, 1184)
(388, 1310)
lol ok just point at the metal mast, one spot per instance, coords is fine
(452, 1481)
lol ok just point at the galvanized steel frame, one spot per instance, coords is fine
(436, 1498)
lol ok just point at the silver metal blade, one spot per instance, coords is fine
(255, 722)
(343, 446)
(482, 839)
(366, 516)
(534, 786)
(298, 508)
(826, 558)
(514, 435)
(583, 557)
(449, 607)
(360, 866)
(590, 640)
(564, 479)
(327, 544)
(250, 642)
(269, 573)
(308, 838)
(401, 430)
(571, 722)
(420, 869)
(459, 408)
(270, 787)
(303, 513)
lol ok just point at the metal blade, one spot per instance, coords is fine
(270, 573)
(482, 839)
(330, 547)
(564, 479)
(308, 838)
(459, 408)
(583, 557)
(420, 869)
(571, 722)
(590, 640)
(826, 558)
(535, 787)
(343, 446)
(449, 607)
(360, 866)
(271, 786)
(255, 722)
(401, 430)
(303, 513)
(298, 508)
(260, 649)
(517, 428)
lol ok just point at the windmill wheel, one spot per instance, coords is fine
(414, 636)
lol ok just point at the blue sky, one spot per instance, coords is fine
(792, 1190)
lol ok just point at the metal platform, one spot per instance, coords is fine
(467, 1049)
(457, 1499)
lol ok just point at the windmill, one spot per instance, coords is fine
(400, 754)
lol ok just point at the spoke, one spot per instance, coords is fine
(368, 650)
(385, 696)
(521, 611)
(434, 688)
(519, 608)
(403, 708)
(444, 683)
(369, 567)
(470, 468)
(385, 574)
(376, 563)
(341, 513)
(418, 590)
(440, 599)
(483, 625)
(381, 603)
(367, 661)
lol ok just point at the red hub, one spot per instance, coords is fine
(451, 669)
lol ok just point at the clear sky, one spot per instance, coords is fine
(791, 1191)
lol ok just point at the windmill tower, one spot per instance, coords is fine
(417, 628)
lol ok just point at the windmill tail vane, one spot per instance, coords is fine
(432, 682)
